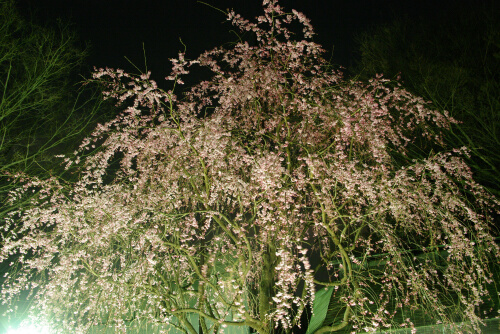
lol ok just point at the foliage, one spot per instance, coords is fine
(239, 201)
(35, 66)
(41, 113)
(454, 62)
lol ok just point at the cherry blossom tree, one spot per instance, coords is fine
(237, 203)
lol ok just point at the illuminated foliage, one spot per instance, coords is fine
(224, 199)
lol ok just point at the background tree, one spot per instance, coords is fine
(454, 62)
(42, 111)
(234, 205)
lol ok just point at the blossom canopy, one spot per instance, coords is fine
(237, 202)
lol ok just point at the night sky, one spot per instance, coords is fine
(118, 28)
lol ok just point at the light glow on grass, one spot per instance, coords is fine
(30, 329)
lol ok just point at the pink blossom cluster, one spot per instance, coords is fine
(292, 182)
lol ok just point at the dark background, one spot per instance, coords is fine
(116, 29)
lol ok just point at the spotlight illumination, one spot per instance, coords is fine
(30, 329)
